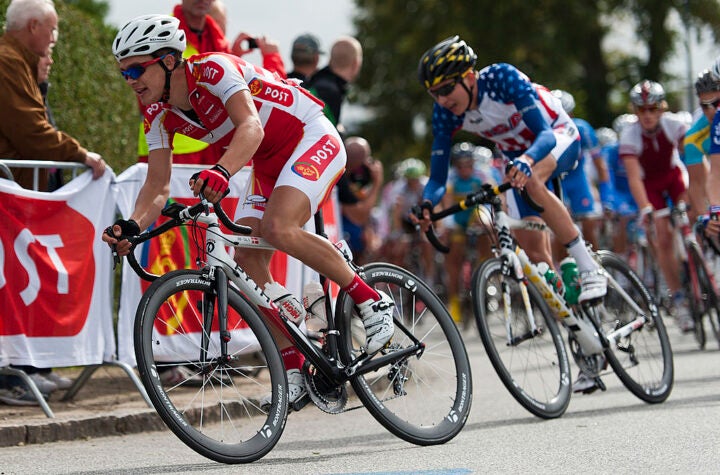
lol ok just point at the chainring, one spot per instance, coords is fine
(330, 399)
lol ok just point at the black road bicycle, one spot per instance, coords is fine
(214, 321)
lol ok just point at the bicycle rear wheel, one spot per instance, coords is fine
(424, 398)
(705, 301)
(211, 403)
(533, 366)
(643, 359)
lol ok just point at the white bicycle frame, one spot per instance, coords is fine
(522, 267)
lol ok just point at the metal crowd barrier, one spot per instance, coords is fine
(37, 165)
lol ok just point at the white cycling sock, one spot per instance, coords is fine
(577, 249)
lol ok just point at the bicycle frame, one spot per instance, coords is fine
(517, 264)
(222, 268)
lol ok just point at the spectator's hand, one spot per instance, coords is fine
(96, 163)
(266, 45)
(237, 47)
(376, 171)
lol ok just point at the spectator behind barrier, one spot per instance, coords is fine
(305, 56)
(358, 191)
(332, 82)
(25, 133)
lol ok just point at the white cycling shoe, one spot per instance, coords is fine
(377, 318)
(593, 285)
(297, 395)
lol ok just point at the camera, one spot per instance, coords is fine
(252, 43)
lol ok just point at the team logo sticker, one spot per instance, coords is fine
(313, 163)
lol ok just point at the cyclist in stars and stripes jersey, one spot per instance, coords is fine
(530, 128)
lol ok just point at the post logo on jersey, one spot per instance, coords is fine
(313, 163)
(271, 92)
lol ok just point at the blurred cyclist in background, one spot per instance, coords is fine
(650, 149)
(465, 178)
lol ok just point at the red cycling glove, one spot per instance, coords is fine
(216, 178)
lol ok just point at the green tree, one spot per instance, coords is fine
(88, 96)
(557, 43)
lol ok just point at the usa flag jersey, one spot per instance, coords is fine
(513, 112)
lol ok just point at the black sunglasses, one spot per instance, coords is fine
(443, 91)
(134, 71)
(710, 104)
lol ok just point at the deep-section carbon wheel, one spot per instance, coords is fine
(423, 398)
(211, 403)
(643, 359)
(706, 304)
(532, 364)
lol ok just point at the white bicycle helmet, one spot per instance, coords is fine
(566, 99)
(647, 93)
(715, 69)
(147, 34)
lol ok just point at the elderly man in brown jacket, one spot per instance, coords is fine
(25, 133)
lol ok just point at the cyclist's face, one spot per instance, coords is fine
(709, 104)
(149, 85)
(451, 95)
(649, 116)
(465, 168)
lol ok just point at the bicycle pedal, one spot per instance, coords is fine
(599, 384)
(300, 403)
(592, 302)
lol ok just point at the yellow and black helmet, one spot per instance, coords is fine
(448, 59)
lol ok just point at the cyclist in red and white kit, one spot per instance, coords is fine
(297, 157)
(650, 149)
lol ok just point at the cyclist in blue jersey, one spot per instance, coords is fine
(579, 184)
(697, 140)
(622, 204)
(713, 187)
(466, 177)
(530, 128)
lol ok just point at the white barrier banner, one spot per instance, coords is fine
(55, 271)
(174, 250)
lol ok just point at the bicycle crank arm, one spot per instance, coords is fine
(364, 364)
(516, 340)
(625, 330)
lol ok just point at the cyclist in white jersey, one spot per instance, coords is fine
(297, 157)
(526, 121)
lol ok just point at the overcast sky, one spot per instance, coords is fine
(284, 20)
(281, 20)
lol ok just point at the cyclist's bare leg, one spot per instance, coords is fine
(667, 259)
(536, 244)
(556, 214)
(288, 209)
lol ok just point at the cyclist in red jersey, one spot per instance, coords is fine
(253, 114)
(651, 150)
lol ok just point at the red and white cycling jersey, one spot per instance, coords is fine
(657, 152)
(284, 108)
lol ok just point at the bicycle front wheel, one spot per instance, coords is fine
(425, 397)
(705, 299)
(643, 359)
(207, 397)
(525, 348)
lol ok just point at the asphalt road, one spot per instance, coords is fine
(610, 432)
